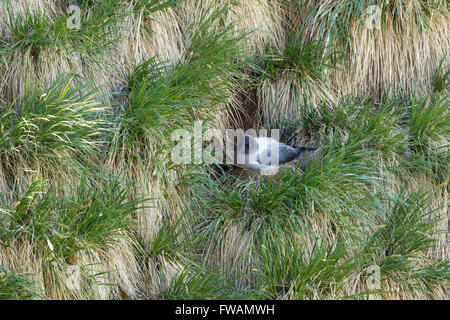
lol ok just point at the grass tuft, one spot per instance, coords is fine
(92, 218)
(57, 129)
(15, 287)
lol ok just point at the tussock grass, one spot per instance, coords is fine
(32, 53)
(286, 271)
(262, 18)
(290, 203)
(160, 98)
(92, 206)
(40, 47)
(428, 137)
(441, 77)
(331, 206)
(90, 217)
(15, 287)
(378, 57)
(106, 29)
(219, 48)
(400, 243)
(150, 29)
(201, 284)
(69, 238)
(334, 19)
(430, 119)
(297, 73)
(53, 133)
(168, 255)
(20, 7)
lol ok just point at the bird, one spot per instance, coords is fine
(266, 154)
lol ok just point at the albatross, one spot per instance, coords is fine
(266, 154)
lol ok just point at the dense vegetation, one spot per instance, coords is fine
(92, 206)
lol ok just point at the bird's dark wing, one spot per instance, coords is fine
(288, 153)
(285, 154)
(304, 149)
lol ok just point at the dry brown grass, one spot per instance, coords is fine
(280, 99)
(394, 59)
(232, 252)
(262, 18)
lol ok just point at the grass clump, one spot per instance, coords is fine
(92, 218)
(331, 193)
(429, 135)
(441, 82)
(77, 245)
(162, 98)
(333, 20)
(288, 270)
(379, 128)
(39, 46)
(158, 101)
(430, 119)
(101, 23)
(57, 129)
(15, 287)
(32, 33)
(305, 61)
(298, 73)
(399, 245)
(197, 283)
